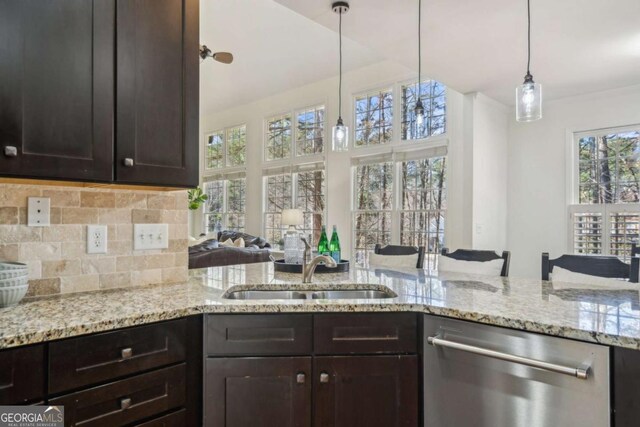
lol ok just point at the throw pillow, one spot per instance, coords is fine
(484, 268)
(393, 261)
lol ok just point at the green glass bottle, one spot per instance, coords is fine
(334, 245)
(323, 243)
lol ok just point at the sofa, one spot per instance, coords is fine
(211, 254)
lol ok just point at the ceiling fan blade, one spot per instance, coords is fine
(224, 57)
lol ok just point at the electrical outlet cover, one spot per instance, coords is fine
(96, 239)
(39, 212)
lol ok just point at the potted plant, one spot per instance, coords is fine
(196, 198)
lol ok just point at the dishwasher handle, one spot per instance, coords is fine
(580, 373)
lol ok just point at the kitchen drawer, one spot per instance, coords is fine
(21, 374)
(78, 362)
(365, 333)
(258, 335)
(174, 419)
(126, 401)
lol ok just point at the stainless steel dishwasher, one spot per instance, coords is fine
(479, 375)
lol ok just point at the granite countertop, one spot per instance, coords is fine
(606, 316)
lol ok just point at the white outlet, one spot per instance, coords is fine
(38, 212)
(150, 236)
(96, 239)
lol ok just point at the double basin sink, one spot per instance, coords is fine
(317, 294)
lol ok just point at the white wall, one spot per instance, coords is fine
(459, 216)
(537, 171)
(488, 149)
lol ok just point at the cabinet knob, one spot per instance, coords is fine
(125, 403)
(126, 353)
(324, 377)
(10, 151)
(128, 162)
(301, 378)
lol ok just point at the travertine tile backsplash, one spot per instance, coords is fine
(57, 255)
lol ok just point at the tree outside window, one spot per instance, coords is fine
(606, 217)
(374, 118)
(433, 96)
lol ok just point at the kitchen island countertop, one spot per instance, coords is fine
(609, 316)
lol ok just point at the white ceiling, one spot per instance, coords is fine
(275, 49)
(578, 46)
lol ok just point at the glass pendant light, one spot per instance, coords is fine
(529, 93)
(340, 132)
(419, 108)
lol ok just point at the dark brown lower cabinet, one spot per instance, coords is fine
(258, 392)
(174, 419)
(626, 383)
(366, 391)
(22, 375)
(126, 401)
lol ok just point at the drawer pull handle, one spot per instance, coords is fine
(301, 378)
(125, 403)
(578, 372)
(126, 353)
(324, 377)
(10, 151)
(128, 162)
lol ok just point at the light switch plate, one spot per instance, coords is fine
(39, 212)
(150, 236)
(96, 239)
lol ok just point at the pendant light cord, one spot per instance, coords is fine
(419, 47)
(528, 35)
(340, 68)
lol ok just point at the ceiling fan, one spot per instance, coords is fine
(224, 57)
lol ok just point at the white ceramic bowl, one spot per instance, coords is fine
(12, 274)
(16, 281)
(12, 295)
(6, 265)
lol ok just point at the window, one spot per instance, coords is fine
(278, 144)
(278, 197)
(215, 150)
(423, 204)
(225, 207)
(226, 148)
(310, 198)
(413, 215)
(308, 137)
(433, 96)
(374, 118)
(310, 131)
(236, 145)
(304, 188)
(373, 205)
(606, 216)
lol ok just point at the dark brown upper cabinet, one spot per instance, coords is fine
(56, 89)
(157, 92)
(100, 90)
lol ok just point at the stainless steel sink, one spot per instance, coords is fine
(279, 294)
(353, 294)
(288, 294)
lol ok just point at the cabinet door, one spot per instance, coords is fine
(626, 383)
(366, 391)
(56, 89)
(157, 92)
(22, 375)
(258, 392)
